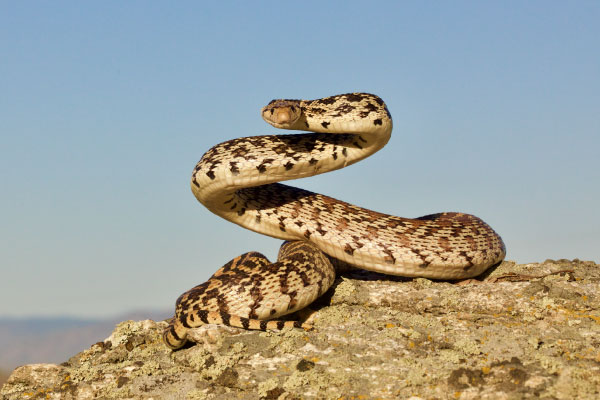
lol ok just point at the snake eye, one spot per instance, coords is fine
(293, 108)
(272, 111)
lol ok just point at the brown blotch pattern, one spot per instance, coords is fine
(249, 290)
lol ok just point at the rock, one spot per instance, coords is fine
(526, 331)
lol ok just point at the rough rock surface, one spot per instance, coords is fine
(526, 331)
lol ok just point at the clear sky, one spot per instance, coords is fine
(105, 108)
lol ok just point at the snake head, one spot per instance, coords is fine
(283, 114)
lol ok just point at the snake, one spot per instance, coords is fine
(239, 180)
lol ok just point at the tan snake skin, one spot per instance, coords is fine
(237, 180)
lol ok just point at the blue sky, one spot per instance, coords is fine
(105, 108)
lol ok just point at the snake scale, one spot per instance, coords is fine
(238, 180)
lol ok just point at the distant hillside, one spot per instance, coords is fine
(3, 376)
(54, 340)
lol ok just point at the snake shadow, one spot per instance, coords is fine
(369, 276)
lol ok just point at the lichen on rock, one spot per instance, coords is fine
(524, 331)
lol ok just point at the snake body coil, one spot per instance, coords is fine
(238, 180)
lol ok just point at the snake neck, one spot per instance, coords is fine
(348, 113)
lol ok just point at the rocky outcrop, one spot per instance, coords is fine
(525, 331)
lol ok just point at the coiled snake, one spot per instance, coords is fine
(237, 180)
